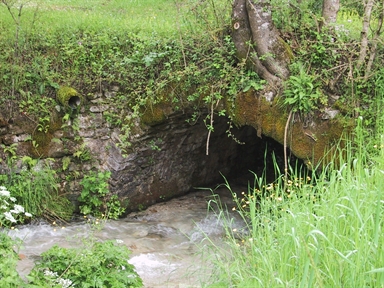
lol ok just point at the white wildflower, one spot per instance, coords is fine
(13, 199)
(50, 273)
(65, 283)
(28, 214)
(9, 217)
(119, 241)
(18, 208)
(122, 267)
(5, 193)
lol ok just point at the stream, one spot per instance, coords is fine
(164, 238)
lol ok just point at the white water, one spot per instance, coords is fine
(163, 239)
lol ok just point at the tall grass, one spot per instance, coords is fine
(37, 190)
(324, 231)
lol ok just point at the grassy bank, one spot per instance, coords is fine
(324, 231)
(92, 45)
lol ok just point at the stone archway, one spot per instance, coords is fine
(178, 162)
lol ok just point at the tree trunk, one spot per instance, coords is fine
(375, 41)
(330, 9)
(258, 42)
(364, 33)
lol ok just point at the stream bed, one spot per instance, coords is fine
(164, 239)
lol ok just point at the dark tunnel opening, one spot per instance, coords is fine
(74, 102)
(235, 154)
(259, 156)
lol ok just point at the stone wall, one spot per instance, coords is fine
(165, 160)
(167, 157)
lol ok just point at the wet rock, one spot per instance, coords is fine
(3, 130)
(329, 114)
(3, 122)
(56, 148)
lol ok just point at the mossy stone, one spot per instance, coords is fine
(316, 143)
(41, 143)
(153, 116)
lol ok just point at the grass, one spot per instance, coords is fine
(320, 232)
(349, 23)
(166, 18)
(37, 191)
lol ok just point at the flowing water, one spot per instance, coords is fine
(164, 239)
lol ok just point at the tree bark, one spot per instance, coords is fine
(258, 42)
(330, 10)
(375, 40)
(364, 33)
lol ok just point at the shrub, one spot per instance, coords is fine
(8, 261)
(101, 264)
(95, 199)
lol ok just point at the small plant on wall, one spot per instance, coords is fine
(302, 93)
(95, 199)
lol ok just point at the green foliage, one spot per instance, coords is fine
(323, 51)
(10, 152)
(154, 144)
(370, 94)
(66, 162)
(37, 108)
(353, 6)
(302, 93)
(297, 15)
(83, 153)
(35, 187)
(37, 191)
(176, 69)
(101, 264)
(348, 25)
(8, 262)
(209, 17)
(114, 209)
(95, 199)
(324, 54)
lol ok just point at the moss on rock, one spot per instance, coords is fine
(153, 115)
(40, 143)
(56, 122)
(284, 51)
(156, 113)
(309, 142)
(69, 97)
